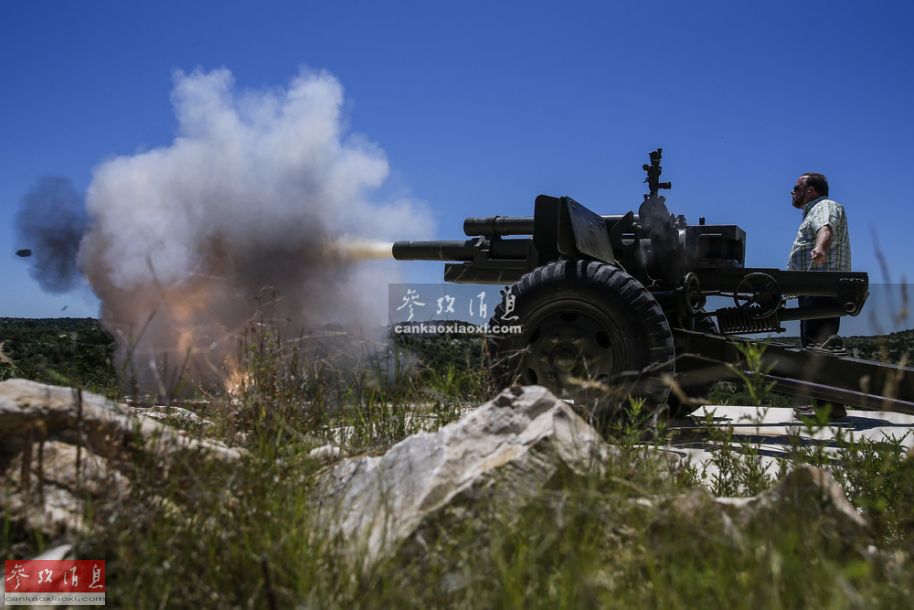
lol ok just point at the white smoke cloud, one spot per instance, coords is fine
(246, 197)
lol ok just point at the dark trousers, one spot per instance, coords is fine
(817, 331)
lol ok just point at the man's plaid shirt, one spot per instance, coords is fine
(816, 214)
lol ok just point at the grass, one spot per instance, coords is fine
(248, 537)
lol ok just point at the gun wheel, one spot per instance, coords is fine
(590, 333)
(757, 295)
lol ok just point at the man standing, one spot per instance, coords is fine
(821, 244)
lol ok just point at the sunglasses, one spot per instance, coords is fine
(797, 189)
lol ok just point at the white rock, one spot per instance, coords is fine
(46, 411)
(161, 412)
(325, 453)
(57, 553)
(512, 446)
(62, 448)
(807, 495)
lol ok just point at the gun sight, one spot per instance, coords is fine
(653, 174)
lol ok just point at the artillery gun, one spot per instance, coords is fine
(614, 305)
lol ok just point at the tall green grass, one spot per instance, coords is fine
(247, 536)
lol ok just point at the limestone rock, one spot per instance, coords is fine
(105, 428)
(163, 412)
(47, 490)
(807, 496)
(325, 453)
(60, 448)
(62, 551)
(506, 451)
(696, 511)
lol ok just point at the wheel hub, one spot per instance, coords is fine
(564, 358)
(572, 340)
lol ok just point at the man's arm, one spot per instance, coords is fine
(823, 243)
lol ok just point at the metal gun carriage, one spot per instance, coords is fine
(615, 305)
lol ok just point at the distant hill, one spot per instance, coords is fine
(66, 351)
(892, 347)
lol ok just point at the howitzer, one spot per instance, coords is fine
(620, 299)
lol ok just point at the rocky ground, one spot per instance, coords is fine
(518, 501)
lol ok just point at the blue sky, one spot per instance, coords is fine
(480, 106)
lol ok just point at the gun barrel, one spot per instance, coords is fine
(492, 226)
(433, 250)
(498, 225)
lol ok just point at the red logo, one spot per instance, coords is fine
(74, 581)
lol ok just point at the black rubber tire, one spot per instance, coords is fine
(703, 323)
(612, 322)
